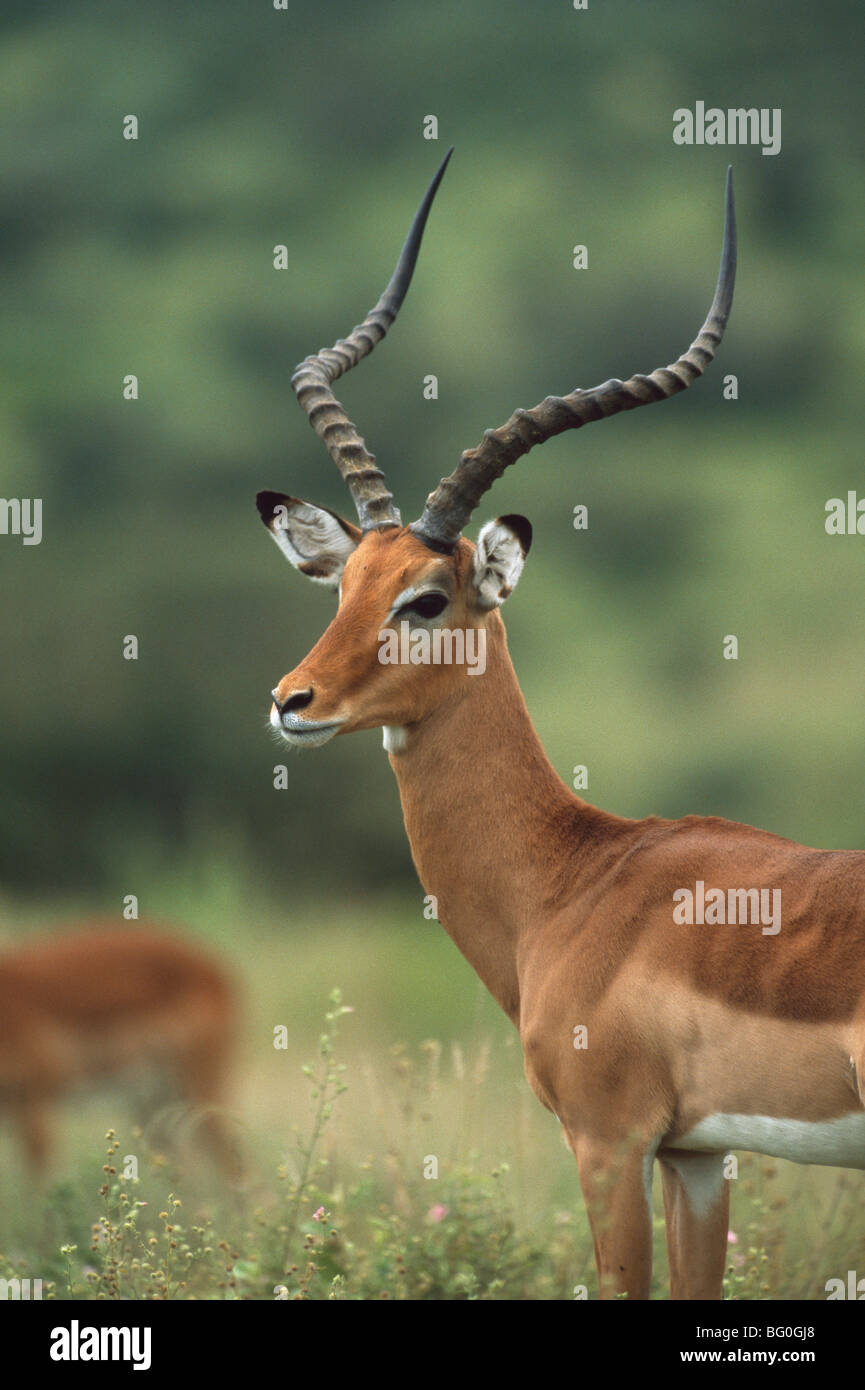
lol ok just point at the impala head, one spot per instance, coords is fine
(407, 590)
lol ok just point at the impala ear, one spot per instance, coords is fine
(499, 557)
(316, 541)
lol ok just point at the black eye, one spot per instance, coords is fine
(426, 605)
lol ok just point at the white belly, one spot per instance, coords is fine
(839, 1143)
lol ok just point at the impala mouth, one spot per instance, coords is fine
(304, 733)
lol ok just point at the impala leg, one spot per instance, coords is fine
(613, 1180)
(34, 1134)
(697, 1208)
(204, 1067)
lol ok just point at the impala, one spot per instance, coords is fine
(83, 1006)
(700, 1037)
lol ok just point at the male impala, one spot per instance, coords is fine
(83, 1006)
(700, 1038)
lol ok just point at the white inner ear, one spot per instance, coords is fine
(313, 540)
(498, 564)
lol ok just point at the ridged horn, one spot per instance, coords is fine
(450, 506)
(312, 380)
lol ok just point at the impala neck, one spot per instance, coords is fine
(482, 805)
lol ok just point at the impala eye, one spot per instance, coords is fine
(426, 605)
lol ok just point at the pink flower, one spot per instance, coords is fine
(437, 1212)
(320, 1215)
(732, 1238)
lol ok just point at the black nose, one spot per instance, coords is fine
(299, 700)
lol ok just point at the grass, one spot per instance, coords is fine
(394, 1153)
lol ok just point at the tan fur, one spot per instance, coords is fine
(100, 1001)
(566, 914)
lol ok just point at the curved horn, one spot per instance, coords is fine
(449, 507)
(313, 377)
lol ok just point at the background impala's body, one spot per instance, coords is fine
(108, 1001)
(699, 1038)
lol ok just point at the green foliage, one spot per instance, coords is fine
(705, 517)
(155, 256)
(321, 1226)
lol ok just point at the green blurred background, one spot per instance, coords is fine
(305, 127)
